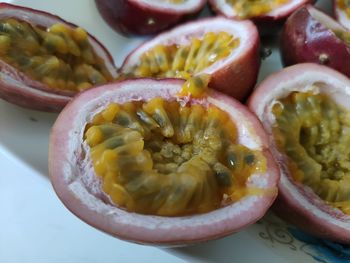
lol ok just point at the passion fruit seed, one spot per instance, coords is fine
(247, 9)
(315, 133)
(184, 61)
(60, 57)
(195, 86)
(344, 5)
(164, 158)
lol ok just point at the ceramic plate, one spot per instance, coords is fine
(35, 227)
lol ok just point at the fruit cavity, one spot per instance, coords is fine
(169, 158)
(59, 56)
(248, 9)
(315, 134)
(344, 5)
(183, 61)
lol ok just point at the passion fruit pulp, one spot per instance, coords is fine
(147, 17)
(267, 14)
(46, 60)
(158, 168)
(305, 109)
(309, 35)
(226, 50)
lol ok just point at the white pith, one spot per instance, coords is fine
(137, 226)
(183, 35)
(229, 11)
(186, 6)
(316, 80)
(324, 19)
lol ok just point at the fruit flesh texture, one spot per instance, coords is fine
(164, 158)
(60, 57)
(317, 144)
(184, 61)
(344, 5)
(251, 8)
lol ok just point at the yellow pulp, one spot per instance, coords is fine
(315, 133)
(184, 61)
(196, 86)
(251, 8)
(60, 57)
(344, 5)
(162, 158)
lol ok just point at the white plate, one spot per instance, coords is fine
(35, 227)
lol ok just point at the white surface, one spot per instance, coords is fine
(36, 228)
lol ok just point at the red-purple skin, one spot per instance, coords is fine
(130, 18)
(19, 89)
(305, 39)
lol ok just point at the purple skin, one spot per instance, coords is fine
(128, 17)
(305, 39)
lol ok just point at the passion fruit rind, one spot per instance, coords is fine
(80, 189)
(309, 35)
(268, 21)
(19, 88)
(234, 74)
(296, 202)
(139, 18)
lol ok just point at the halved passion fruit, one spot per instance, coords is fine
(342, 12)
(306, 111)
(263, 12)
(45, 60)
(226, 50)
(309, 35)
(144, 17)
(139, 161)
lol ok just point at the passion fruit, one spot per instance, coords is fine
(45, 60)
(145, 17)
(305, 110)
(309, 35)
(342, 12)
(265, 13)
(226, 50)
(140, 162)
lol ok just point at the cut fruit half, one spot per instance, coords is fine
(226, 50)
(305, 110)
(264, 12)
(144, 17)
(44, 60)
(142, 163)
(310, 35)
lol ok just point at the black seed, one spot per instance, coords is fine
(223, 178)
(249, 159)
(232, 159)
(114, 142)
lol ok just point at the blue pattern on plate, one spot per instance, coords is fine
(322, 250)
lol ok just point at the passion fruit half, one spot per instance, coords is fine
(140, 162)
(226, 50)
(342, 12)
(265, 13)
(305, 110)
(145, 17)
(44, 60)
(309, 35)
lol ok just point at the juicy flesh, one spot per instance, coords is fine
(163, 158)
(251, 8)
(184, 61)
(344, 5)
(315, 133)
(60, 57)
